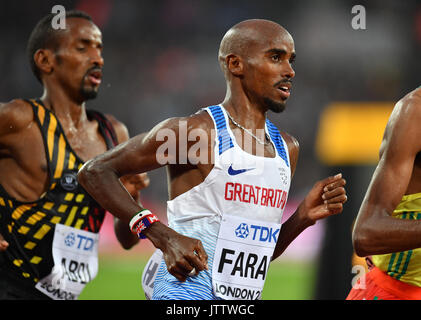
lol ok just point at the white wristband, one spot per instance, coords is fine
(137, 217)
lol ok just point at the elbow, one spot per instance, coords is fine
(89, 174)
(360, 246)
(84, 172)
(362, 242)
(127, 245)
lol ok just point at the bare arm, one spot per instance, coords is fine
(375, 230)
(15, 116)
(324, 199)
(100, 177)
(133, 184)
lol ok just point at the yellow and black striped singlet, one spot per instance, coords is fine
(404, 266)
(29, 227)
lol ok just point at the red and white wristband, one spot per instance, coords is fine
(142, 220)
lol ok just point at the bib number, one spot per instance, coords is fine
(75, 254)
(242, 256)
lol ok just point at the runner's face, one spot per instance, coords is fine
(79, 59)
(269, 70)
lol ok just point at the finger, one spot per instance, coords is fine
(338, 199)
(3, 245)
(179, 276)
(197, 263)
(193, 272)
(334, 193)
(180, 270)
(334, 208)
(201, 254)
(184, 267)
(333, 185)
(331, 179)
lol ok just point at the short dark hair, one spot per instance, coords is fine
(44, 36)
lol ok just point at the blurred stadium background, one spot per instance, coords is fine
(161, 61)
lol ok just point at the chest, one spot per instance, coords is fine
(55, 146)
(86, 143)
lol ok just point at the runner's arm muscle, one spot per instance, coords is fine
(375, 230)
(100, 177)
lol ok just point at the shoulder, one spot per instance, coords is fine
(198, 121)
(406, 112)
(414, 95)
(119, 127)
(403, 126)
(410, 104)
(17, 114)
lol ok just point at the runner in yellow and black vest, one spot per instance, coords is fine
(64, 213)
(48, 224)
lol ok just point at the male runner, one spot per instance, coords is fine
(388, 226)
(227, 197)
(48, 223)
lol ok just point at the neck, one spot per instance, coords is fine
(64, 107)
(247, 113)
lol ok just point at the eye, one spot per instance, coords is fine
(292, 61)
(80, 48)
(276, 57)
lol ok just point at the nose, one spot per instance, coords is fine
(288, 71)
(97, 58)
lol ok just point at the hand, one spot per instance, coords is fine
(136, 182)
(3, 243)
(326, 198)
(184, 256)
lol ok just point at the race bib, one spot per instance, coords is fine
(242, 256)
(75, 254)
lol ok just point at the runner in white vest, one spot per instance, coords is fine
(229, 171)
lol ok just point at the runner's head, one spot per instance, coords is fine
(256, 56)
(70, 57)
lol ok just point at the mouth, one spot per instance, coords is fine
(95, 76)
(285, 90)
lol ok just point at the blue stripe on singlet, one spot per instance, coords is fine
(277, 140)
(225, 141)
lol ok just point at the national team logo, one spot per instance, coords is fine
(70, 239)
(284, 177)
(69, 181)
(242, 231)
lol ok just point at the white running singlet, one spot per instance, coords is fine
(236, 212)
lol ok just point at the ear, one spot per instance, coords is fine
(44, 60)
(234, 64)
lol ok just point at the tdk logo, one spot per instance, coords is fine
(259, 233)
(84, 243)
(70, 239)
(242, 231)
